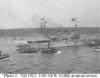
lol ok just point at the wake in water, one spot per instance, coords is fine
(58, 52)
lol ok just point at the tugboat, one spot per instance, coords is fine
(48, 50)
(3, 56)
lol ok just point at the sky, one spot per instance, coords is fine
(27, 13)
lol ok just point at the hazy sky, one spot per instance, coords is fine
(27, 13)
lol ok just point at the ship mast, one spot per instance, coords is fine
(43, 25)
(42, 20)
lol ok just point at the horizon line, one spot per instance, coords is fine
(48, 27)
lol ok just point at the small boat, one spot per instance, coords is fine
(4, 56)
(96, 49)
(48, 50)
(93, 43)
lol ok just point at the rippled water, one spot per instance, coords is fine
(71, 60)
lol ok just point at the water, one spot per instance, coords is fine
(68, 60)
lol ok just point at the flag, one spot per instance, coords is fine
(73, 19)
(42, 19)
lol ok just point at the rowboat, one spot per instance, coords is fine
(4, 56)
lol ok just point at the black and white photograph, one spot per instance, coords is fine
(50, 36)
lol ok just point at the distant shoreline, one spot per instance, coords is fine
(46, 27)
(52, 31)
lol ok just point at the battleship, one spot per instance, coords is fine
(46, 43)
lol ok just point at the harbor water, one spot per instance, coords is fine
(76, 59)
